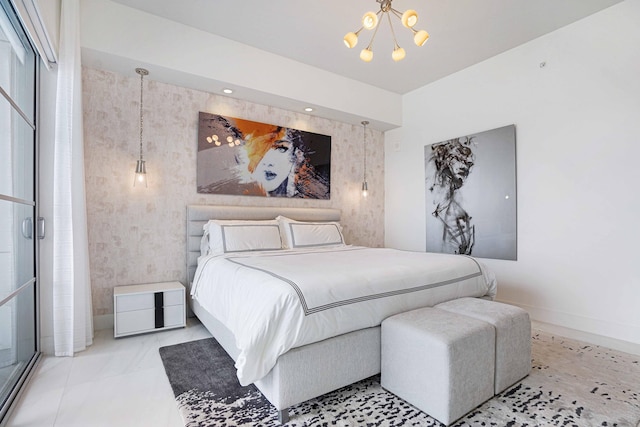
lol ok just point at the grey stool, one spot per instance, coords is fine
(441, 362)
(513, 336)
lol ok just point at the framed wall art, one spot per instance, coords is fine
(242, 157)
(470, 193)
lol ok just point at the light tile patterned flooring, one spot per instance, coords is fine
(115, 382)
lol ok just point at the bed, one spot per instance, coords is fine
(326, 340)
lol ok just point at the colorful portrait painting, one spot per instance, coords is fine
(242, 157)
(470, 193)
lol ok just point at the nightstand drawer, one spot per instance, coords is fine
(174, 316)
(173, 298)
(138, 321)
(130, 322)
(148, 300)
(135, 302)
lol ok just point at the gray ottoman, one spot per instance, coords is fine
(513, 336)
(440, 362)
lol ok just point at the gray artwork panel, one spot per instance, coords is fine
(470, 193)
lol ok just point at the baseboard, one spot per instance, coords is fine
(101, 322)
(566, 325)
(46, 345)
(600, 340)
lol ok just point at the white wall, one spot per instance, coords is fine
(577, 130)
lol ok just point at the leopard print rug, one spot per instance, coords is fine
(571, 384)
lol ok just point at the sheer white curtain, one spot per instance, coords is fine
(72, 312)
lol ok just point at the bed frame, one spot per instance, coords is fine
(303, 372)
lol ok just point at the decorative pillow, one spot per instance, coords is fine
(225, 236)
(302, 234)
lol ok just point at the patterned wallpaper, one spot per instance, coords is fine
(137, 235)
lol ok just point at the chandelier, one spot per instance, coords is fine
(370, 22)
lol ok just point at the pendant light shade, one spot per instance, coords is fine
(141, 173)
(409, 18)
(420, 37)
(369, 20)
(351, 39)
(366, 54)
(398, 54)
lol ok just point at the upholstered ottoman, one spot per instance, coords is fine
(439, 361)
(513, 336)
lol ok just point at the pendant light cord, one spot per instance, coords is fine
(364, 146)
(143, 72)
(141, 112)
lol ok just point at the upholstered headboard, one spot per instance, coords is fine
(198, 215)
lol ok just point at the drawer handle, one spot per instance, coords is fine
(159, 305)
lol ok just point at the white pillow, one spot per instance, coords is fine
(302, 234)
(204, 242)
(225, 236)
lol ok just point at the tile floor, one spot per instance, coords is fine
(115, 382)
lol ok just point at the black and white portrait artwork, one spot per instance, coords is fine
(470, 193)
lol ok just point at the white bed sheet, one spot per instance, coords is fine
(275, 301)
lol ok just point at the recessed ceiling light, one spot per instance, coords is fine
(308, 109)
(226, 90)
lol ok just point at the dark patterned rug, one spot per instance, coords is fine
(571, 384)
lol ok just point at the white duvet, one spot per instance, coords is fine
(278, 300)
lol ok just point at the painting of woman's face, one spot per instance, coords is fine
(275, 166)
(242, 157)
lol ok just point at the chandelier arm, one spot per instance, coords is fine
(396, 12)
(373, 37)
(395, 41)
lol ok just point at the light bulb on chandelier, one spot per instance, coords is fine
(370, 21)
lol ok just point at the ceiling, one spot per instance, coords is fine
(463, 32)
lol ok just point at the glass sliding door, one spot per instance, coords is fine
(18, 213)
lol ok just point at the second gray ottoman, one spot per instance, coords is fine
(439, 361)
(513, 336)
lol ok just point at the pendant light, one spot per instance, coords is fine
(365, 187)
(141, 167)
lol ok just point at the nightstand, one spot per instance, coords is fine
(147, 308)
